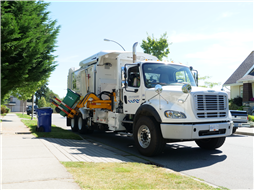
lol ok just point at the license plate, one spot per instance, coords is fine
(214, 127)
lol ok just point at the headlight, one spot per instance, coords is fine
(174, 114)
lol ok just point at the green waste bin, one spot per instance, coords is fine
(70, 99)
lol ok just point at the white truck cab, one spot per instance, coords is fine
(157, 102)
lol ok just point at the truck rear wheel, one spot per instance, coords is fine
(147, 137)
(74, 124)
(82, 126)
(210, 144)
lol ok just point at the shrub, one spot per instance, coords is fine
(233, 106)
(8, 110)
(251, 117)
(238, 101)
(4, 109)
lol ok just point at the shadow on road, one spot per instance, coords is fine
(4, 120)
(180, 157)
(177, 156)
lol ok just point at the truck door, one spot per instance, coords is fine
(132, 91)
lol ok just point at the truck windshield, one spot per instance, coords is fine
(166, 74)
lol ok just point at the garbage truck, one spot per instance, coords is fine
(155, 102)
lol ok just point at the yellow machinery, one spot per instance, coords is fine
(90, 101)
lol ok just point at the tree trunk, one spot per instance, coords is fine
(32, 117)
(23, 107)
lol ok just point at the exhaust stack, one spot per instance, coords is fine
(134, 52)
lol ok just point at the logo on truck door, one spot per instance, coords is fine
(134, 101)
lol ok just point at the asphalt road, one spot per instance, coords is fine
(231, 166)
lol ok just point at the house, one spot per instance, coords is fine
(241, 82)
(16, 105)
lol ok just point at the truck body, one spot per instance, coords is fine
(165, 105)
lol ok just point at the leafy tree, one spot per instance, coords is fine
(44, 96)
(26, 92)
(50, 95)
(42, 102)
(41, 92)
(207, 84)
(158, 48)
(28, 38)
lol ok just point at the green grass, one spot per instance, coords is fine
(56, 132)
(3, 114)
(25, 116)
(129, 176)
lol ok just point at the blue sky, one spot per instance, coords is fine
(213, 37)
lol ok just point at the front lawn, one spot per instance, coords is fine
(56, 132)
(129, 176)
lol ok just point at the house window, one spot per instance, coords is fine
(241, 91)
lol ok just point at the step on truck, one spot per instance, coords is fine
(156, 102)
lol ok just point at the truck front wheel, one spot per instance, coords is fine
(147, 137)
(74, 124)
(210, 144)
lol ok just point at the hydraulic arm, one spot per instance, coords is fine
(90, 101)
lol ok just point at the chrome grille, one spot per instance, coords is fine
(210, 106)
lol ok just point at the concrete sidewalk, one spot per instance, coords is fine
(245, 131)
(33, 163)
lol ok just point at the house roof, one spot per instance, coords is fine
(246, 79)
(242, 71)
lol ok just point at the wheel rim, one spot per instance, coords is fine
(80, 123)
(72, 123)
(144, 136)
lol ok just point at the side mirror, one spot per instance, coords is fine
(158, 88)
(186, 88)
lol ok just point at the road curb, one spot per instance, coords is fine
(244, 133)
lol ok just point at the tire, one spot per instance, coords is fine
(234, 129)
(74, 124)
(57, 110)
(68, 122)
(82, 126)
(147, 137)
(211, 144)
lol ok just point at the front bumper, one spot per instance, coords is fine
(195, 131)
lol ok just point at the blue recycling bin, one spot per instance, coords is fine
(44, 117)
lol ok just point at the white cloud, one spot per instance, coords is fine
(227, 14)
(218, 54)
(221, 48)
(243, 36)
(68, 59)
